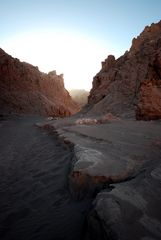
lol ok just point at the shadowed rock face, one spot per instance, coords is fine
(132, 83)
(24, 89)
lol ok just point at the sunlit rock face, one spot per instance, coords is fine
(131, 85)
(24, 89)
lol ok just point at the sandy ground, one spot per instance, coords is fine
(118, 161)
(126, 155)
(116, 149)
(34, 199)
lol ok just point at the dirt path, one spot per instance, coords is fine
(34, 198)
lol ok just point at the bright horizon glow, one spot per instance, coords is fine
(76, 56)
(73, 37)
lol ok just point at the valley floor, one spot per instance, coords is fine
(124, 157)
(35, 202)
(48, 179)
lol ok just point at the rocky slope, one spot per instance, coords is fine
(24, 89)
(132, 83)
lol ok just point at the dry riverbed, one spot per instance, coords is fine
(120, 160)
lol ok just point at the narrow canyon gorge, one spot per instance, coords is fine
(72, 169)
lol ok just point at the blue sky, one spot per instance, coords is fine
(104, 26)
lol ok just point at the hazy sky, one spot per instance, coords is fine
(73, 36)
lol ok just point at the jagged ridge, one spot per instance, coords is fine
(132, 83)
(24, 89)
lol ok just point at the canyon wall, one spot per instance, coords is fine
(24, 89)
(131, 85)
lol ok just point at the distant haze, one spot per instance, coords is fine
(75, 55)
(80, 96)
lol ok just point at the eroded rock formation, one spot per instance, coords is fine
(132, 83)
(24, 89)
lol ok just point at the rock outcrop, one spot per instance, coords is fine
(131, 85)
(119, 163)
(24, 89)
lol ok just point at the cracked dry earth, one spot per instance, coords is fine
(35, 202)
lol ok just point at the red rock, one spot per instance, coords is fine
(132, 83)
(24, 89)
(108, 63)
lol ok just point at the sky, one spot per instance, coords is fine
(73, 36)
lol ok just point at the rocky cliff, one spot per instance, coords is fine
(132, 83)
(24, 89)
